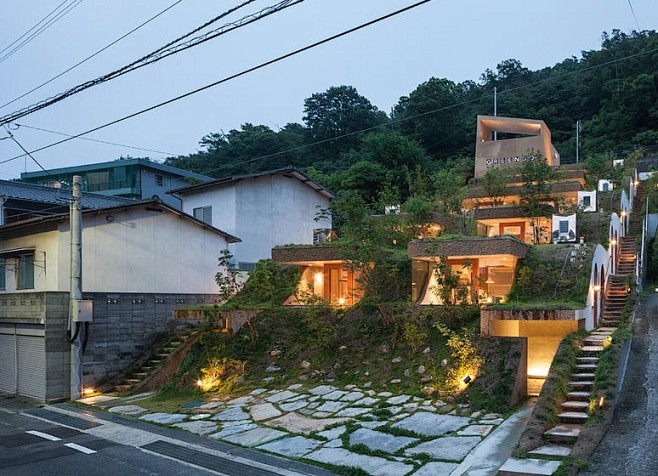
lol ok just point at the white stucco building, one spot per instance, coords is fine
(265, 210)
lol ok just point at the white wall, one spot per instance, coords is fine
(45, 261)
(222, 200)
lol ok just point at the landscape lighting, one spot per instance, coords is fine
(341, 302)
(597, 288)
(467, 379)
(601, 402)
(318, 278)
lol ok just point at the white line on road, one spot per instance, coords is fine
(80, 448)
(43, 435)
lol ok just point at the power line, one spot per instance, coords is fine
(94, 54)
(11, 136)
(169, 49)
(32, 28)
(97, 140)
(43, 28)
(633, 12)
(234, 76)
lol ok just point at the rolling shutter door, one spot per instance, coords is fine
(8, 363)
(32, 366)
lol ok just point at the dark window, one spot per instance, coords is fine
(159, 180)
(564, 227)
(3, 282)
(587, 201)
(26, 271)
(204, 214)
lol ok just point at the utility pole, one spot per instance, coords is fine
(577, 139)
(75, 294)
(495, 109)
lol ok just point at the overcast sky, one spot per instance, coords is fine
(450, 39)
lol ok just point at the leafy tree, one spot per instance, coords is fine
(495, 186)
(339, 111)
(537, 179)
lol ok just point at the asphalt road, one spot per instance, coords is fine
(631, 443)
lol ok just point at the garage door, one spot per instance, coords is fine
(32, 366)
(8, 363)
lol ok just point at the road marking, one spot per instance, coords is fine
(80, 448)
(43, 435)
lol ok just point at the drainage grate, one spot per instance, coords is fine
(205, 460)
(68, 420)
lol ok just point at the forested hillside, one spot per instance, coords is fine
(426, 143)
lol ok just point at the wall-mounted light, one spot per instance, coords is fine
(318, 278)
(109, 218)
(613, 242)
(623, 213)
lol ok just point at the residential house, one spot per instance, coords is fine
(265, 209)
(140, 261)
(133, 178)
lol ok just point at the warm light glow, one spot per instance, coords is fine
(539, 369)
(613, 242)
(597, 288)
(601, 402)
(467, 379)
(623, 213)
(88, 390)
(489, 300)
(637, 182)
(489, 281)
(199, 383)
(341, 302)
(318, 278)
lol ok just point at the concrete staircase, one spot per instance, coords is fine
(155, 362)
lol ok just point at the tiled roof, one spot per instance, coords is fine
(302, 254)
(559, 187)
(495, 213)
(467, 246)
(289, 171)
(42, 194)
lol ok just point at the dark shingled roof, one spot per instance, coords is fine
(559, 187)
(496, 213)
(467, 246)
(42, 194)
(302, 253)
(648, 164)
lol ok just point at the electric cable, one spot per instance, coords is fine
(32, 28)
(97, 140)
(231, 77)
(41, 30)
(157, 55)
(92, 55)
(11, 136)
(634, 17)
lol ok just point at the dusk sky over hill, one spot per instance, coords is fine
(450, 39)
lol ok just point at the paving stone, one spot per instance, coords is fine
(331, 406)
(301, 396)
(264, 411)
(321, 414)
(352, 412)
(551, 450)
(427, 408)
(295, 386)
(292, 406)
(267, 379)
(226, 424)
(232, 430)
(294, 447)
(385, 394)
(281, 396)
(241, 400)
(128, 409)
(95, 400)
(333, 433)
(432, 424)
(231, 414)
(255, 437)
(370, 424)
(352, 396)
(450, 448)
(335, 395)
(373, 465)
(306, 411)
(492, 416)
(367, 402)
(410, 405)
(296, 423)
(164, 418)
(394, 410)
(314, 405)
(334, 444)
(530, 466)
(476, 430)
(436, 469)
(198, 427)
(398, 399)
(376, 440)
(200, 416)
(258, 391)
(322, 390)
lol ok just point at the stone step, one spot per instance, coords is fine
(551, 451)
(575, 405)
(592, 348)
(583, 376)
(566, 432)
(584, 367)
(155, 362)
(579, 395)
(140, 375)
(611, 322)
(607, 329)
(528, 466)
(131, 381)
(122, 388)
(581, 385)
(162, 356)
(587, 360)
(573, 417)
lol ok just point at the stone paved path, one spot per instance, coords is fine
(380, 433)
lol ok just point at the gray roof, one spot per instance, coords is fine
(42, 194)
(289, 171)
